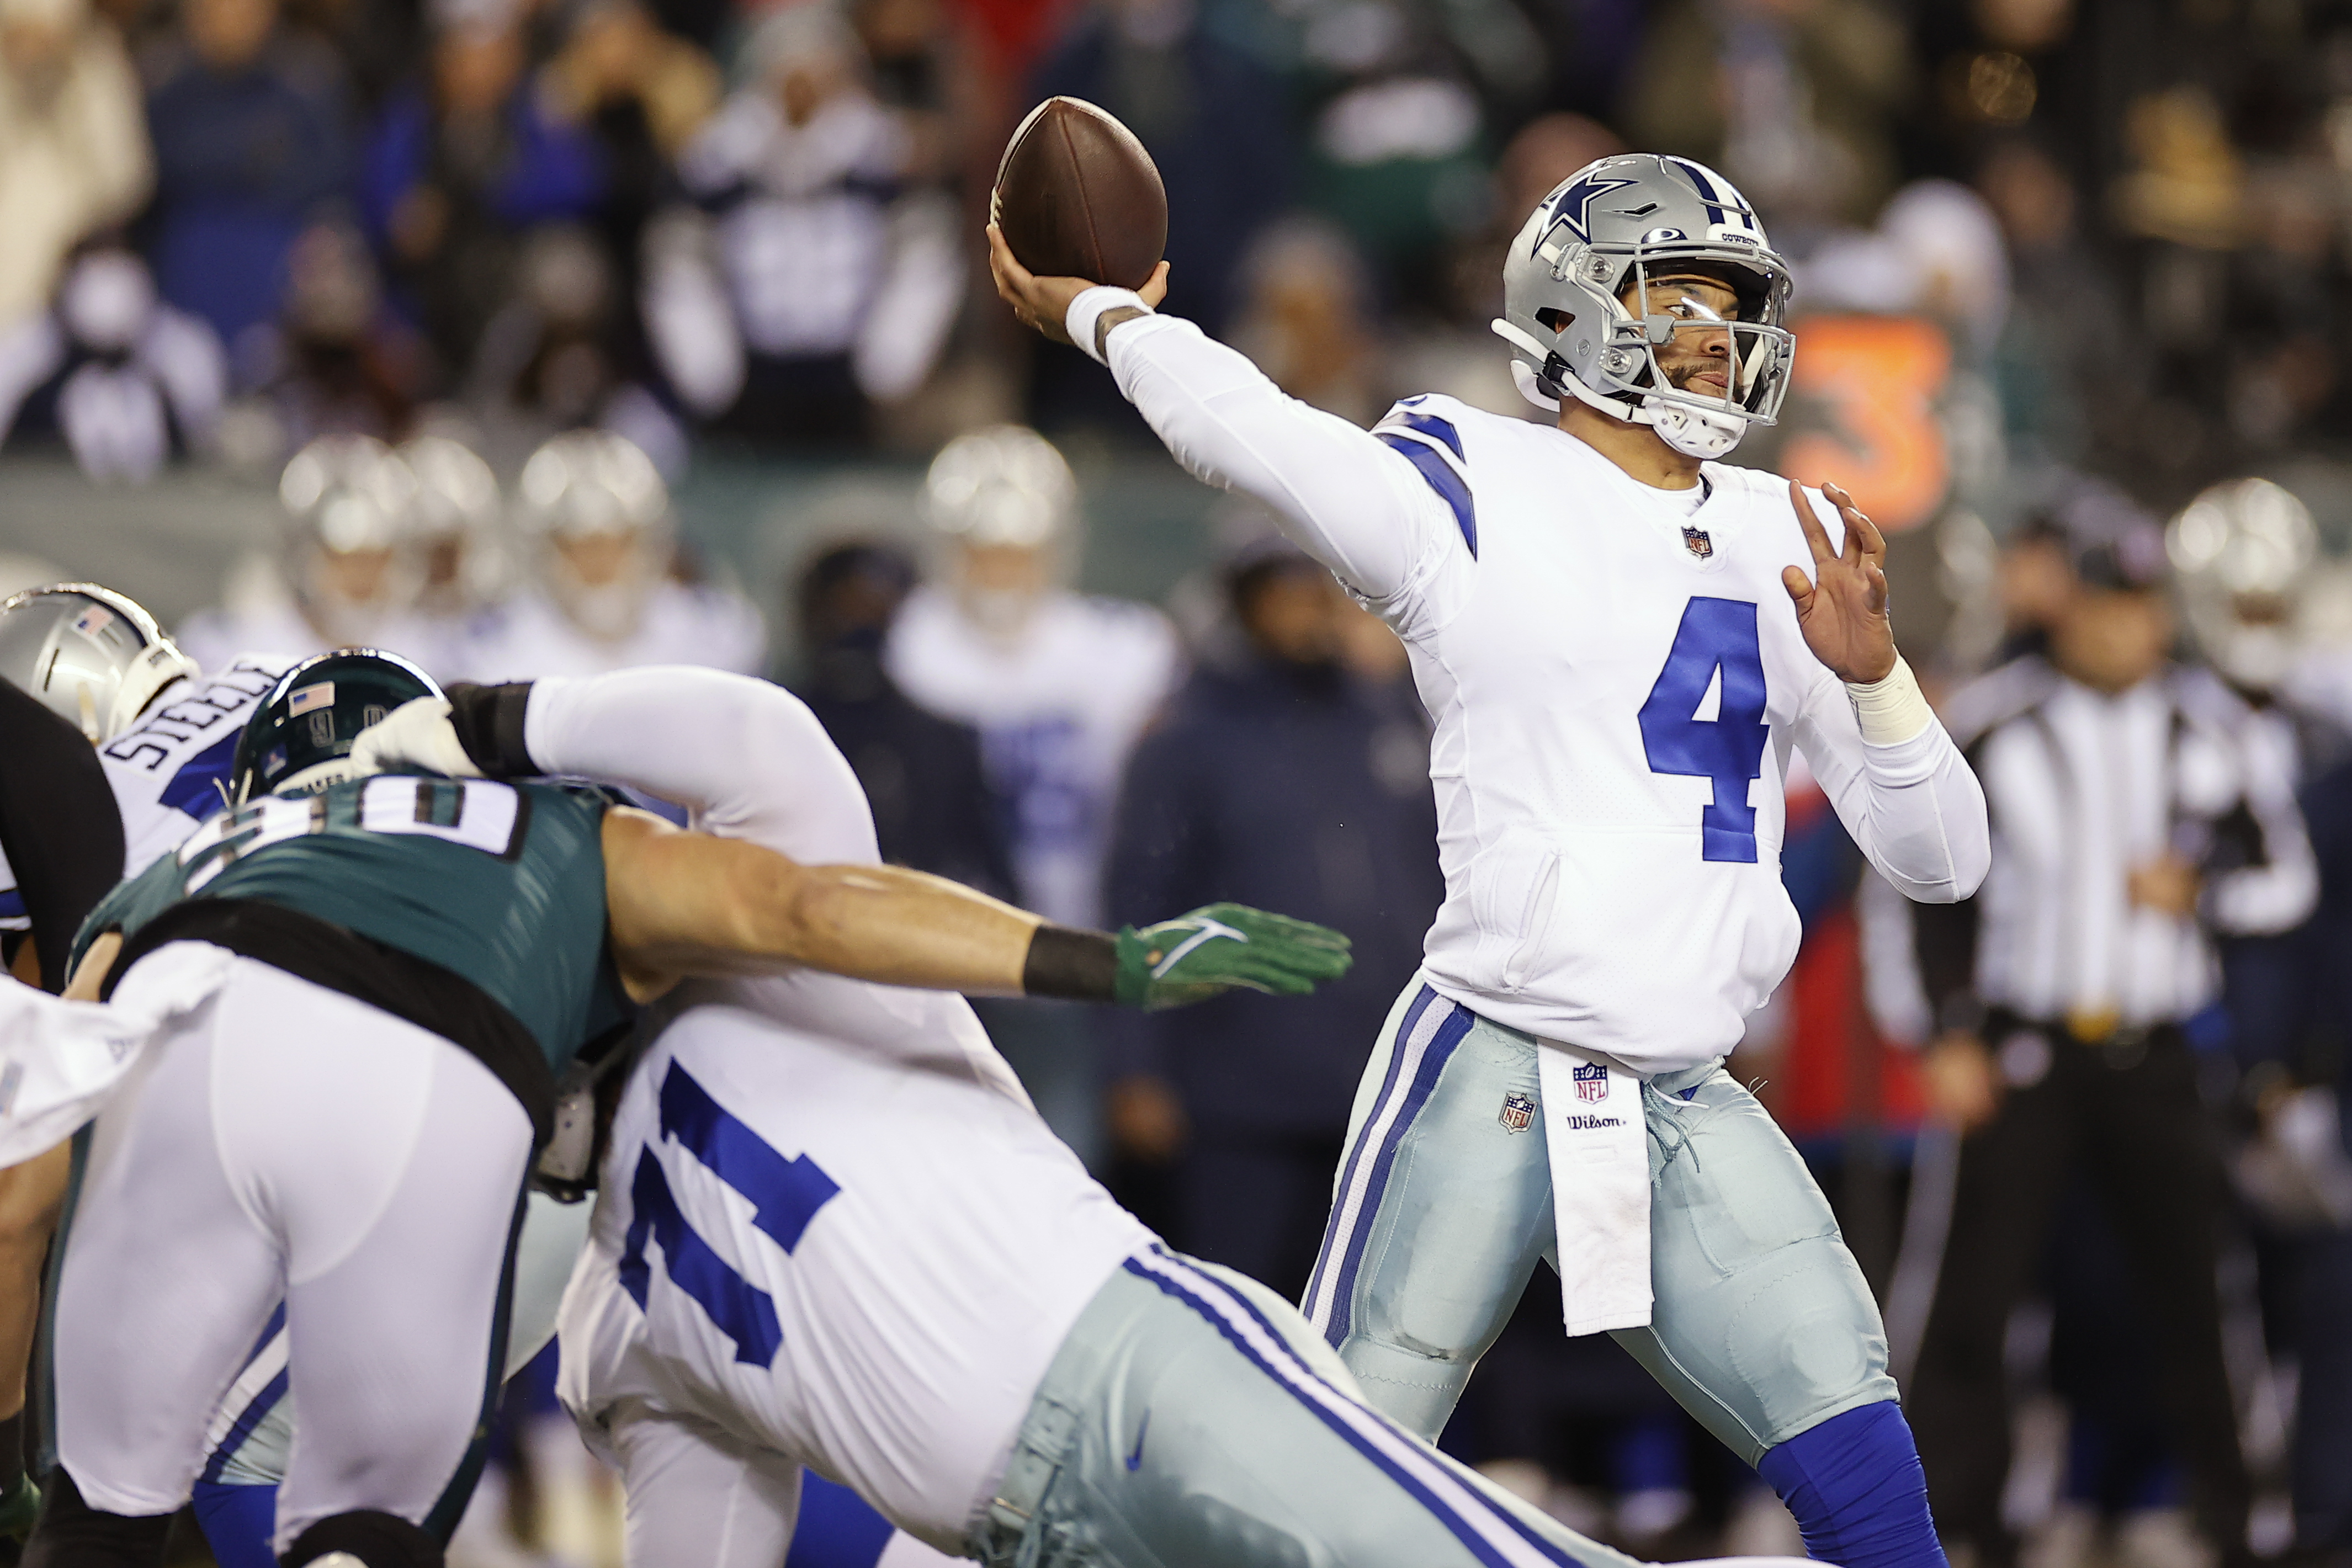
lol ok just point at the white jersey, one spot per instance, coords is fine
(830, 1222)
(170, 769)
(1058, 709)
(1617, 682)
(531, 638)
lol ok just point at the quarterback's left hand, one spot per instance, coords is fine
(1220, 946)
(1842, 610)
(416, 734)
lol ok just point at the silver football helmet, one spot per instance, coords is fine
(454, 523)
(90, 655)
(602, 516)
(1611, 227)
(1004, 486)
(2243, 552)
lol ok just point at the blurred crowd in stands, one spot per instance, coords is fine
(475, 282)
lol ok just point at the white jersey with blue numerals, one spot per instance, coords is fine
(1617, 682)
(170, 769)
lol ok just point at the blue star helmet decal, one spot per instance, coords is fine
(1573, 206)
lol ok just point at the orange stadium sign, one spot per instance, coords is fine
(1873, 383)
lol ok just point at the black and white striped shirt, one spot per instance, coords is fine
(2083, 788)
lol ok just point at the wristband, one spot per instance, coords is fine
(1892, 710)
(1076, 965)
(1085, 321)
(489, 725)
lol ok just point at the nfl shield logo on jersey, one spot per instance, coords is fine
(1695, 541)
(1591, 1082)
(1518, 1113)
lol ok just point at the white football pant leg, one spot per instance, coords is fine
(699, 1495)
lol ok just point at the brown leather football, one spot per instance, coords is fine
(1077, 196)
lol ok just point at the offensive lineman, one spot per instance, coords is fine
(1596, 618)
(164, 732)
(366, 985)
(828, 1234)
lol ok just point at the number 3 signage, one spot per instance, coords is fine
(1873, 383)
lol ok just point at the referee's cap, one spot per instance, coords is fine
(2111, 540)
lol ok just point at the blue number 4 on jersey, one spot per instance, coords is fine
(1715, 634)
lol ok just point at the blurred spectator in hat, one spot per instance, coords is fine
(250, 123)
(933, 808)
(1058, 682)
(2133, 825)
(74, 155)
(1790, 98)
(839, 279)
(562, 354)
(600, 541)
(344, 577)
(642, 93)
(1307, 319)
(125, 380)
(2062, 367)
(337, 360)
(458, 167)
(1275, 775)
(1217, 130)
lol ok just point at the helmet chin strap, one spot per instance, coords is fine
(1692, 431)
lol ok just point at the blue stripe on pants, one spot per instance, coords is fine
(1491, 1534)
(1337, 1312)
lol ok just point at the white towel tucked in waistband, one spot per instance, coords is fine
(1599, 1151)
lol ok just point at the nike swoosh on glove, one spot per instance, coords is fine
(1218, 946)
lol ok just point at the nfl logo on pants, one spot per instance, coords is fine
(1518, 1113)
(1592, 1082)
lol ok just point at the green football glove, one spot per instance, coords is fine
(19, 1509)
(1214, 949)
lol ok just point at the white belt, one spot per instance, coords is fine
(1599, 1149)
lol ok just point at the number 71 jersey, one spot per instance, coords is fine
(1616, 681)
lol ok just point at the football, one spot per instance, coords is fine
(1077, 196)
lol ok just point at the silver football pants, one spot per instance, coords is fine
(1763, 1325)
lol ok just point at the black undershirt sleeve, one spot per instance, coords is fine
(1079, 965)
(58, 825)
(489, 725)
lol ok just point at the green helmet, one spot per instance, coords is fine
(299, 740)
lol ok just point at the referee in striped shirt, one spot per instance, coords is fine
(2131, 825)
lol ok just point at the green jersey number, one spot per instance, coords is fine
(479, 815)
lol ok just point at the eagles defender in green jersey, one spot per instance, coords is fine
(347, 1124)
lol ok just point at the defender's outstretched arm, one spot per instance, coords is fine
(749, 760)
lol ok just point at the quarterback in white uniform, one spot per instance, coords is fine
(1621, 642)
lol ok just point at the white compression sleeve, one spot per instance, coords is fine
(1914, 806)
(747, 758)
(1343, 497)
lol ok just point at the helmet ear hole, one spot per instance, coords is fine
(1554, 320)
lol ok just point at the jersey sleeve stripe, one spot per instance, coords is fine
(1442, 479)
(1429, 424)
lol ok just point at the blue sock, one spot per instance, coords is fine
(1855, 1486)
(238, 1522)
